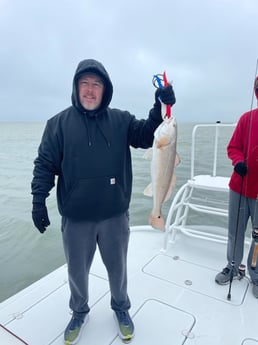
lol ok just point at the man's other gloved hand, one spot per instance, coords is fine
(241, 168)
(166, 95)
(40, 216)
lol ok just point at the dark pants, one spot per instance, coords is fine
(240, 213)
(80, 239)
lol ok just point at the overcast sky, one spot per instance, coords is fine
(209, 49)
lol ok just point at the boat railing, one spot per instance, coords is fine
(206, 192)
(216, 128)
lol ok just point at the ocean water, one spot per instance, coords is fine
(25, 254)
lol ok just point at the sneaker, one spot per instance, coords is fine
(224, 276)
(125, 325)
(255, 289)
(73, 330)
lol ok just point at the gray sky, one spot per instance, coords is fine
(208, 48)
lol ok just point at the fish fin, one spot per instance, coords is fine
(171, 187)
(177, 160)
(157, 222)
(148, 190)
(148, 154)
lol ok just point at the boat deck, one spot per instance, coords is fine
(171, 285)
(174, 297)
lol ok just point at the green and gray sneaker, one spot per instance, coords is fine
(125, 325)
(73, 330)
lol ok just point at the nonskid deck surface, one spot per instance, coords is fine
(174, 299)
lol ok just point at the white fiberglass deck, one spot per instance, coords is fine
(175, 299)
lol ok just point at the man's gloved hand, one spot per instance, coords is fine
(40, 216)
(166, 95)
(241, 169)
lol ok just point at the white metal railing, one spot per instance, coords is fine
(210, 185)
(217, 127)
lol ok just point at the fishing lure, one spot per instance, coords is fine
(160, 81)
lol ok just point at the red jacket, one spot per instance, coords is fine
(243, 146)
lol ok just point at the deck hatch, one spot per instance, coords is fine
(51, 307)
(160, 323)
(250, 342)
(164, 267)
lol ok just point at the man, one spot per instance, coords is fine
(88, 147)
(243, 196)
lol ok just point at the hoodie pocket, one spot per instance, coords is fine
(95, 198)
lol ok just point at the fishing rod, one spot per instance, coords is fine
(235, 242)
(7, 331)
(255, 230)
(240, 199)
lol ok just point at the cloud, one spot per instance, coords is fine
(208, 49)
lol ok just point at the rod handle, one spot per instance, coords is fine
(255, 254)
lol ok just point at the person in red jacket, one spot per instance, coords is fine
(243, 196)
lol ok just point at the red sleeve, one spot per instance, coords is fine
(237, 145)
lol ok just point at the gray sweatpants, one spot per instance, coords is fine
(80, 239)
(240, 214)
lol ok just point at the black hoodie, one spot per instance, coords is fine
(89, 151)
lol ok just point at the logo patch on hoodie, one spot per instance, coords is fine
(112, 180)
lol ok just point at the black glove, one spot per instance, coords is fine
(241, 169)
(166, 95)
(40, 216)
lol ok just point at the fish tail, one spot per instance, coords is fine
(157, 222)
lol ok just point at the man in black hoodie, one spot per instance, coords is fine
(88, 147)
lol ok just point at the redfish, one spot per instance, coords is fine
(164, 160)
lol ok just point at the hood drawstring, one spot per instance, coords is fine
(102, 132)
(99, 127)
(85, 121)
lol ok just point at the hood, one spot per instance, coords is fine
(256, 87)
(94, 66)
